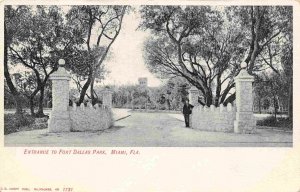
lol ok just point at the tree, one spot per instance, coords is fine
(38, 43)
(11, 18)
(140, 96)
(277, 87)
(98, 24)
(193, 42)
(79, 76)
(275, 50)
(26, 84)
(287, 62)
(174, 92)
(262, 25)
(206, 45)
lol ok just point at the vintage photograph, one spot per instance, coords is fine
(148, 76)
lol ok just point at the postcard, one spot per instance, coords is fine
(149, 96)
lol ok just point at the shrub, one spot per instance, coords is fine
(40, 123)
(276, 122)
(13, 122)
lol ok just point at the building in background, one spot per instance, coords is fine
(143, 81)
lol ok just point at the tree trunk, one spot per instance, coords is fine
(40, 112)
(16, 95)
(169, 104)
(254, 49)
(31, 103)
(209, 99)
(92, 91)
(218, 90)
(18, 103)
(275, 107)
(259, 106)
(225, 93)
(230, 99)
(84, 89)
(290, 104)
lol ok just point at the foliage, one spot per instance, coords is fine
(168, 96)
(36, 40)
(271, 121)
(14, 122)
(263, 26)
(206, 45)
(37, 36)
(97, 27)
(9, 101)
(271, 90)
(172, 94)
(193, 42)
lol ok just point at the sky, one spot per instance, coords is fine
(127, 64)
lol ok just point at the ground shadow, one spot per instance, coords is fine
(113, 129)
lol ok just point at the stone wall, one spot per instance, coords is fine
(238, 120)
(213, 118)
(90, 118)
(64, 118)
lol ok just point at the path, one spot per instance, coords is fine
(149, 130)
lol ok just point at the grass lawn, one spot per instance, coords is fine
(279, 122)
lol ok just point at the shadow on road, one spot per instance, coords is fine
(113, 129)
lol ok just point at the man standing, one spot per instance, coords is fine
(187, 110)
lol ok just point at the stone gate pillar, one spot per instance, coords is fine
(107, 97)
(193, 95)
(245, 121)
(60, 117)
